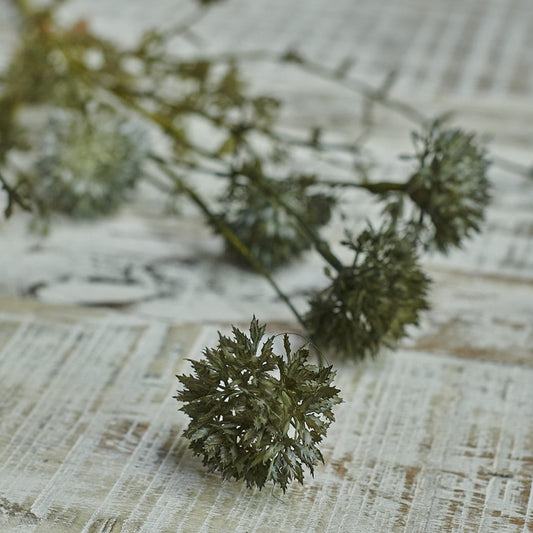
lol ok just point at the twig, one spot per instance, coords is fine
(225, 230)
(184, 26)
(321, 246)
(13, 197)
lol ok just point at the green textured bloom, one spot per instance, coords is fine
(88, 164)
(450, 187)
(274, 234)
(371, 302)
(255, 415)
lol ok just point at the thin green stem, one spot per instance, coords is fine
(225, 231)
(13, 197)
(184, 26)
(364, 89)
(321, 246)
(380, 187)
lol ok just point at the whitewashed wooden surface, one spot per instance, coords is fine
(90, 436)
(436, 437)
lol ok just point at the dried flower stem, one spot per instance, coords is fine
(13, 197)
(321, 246)
(226, 231)
(359, 86)
(369, 93)
(381, 187)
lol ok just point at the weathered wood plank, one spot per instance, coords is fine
(90, 439)
(437, 437)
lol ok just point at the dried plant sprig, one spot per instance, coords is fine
(371, 302)
(450, 186)
(87, 166)
(261, 220)
(449, 189)
(266, 221)
(256, 415)
(375, 96)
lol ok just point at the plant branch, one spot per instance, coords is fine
(378, 96)
(13, 197)
(184, 26)
(225, 230)
(380, 187)
(321, 246)
(358, 86)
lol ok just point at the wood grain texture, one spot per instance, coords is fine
(436, 437)
(90, 438)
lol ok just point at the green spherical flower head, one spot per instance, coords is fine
(450, 186)
(255, 415)
(371, 302)
(89, 164)
(271, 232)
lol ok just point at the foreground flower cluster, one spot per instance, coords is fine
(256, 415)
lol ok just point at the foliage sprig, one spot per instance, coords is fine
(371, 302)
(87, 168)
(450, 186)
(260, 218)
(256, 415)
(91, 161)
(89, 165)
